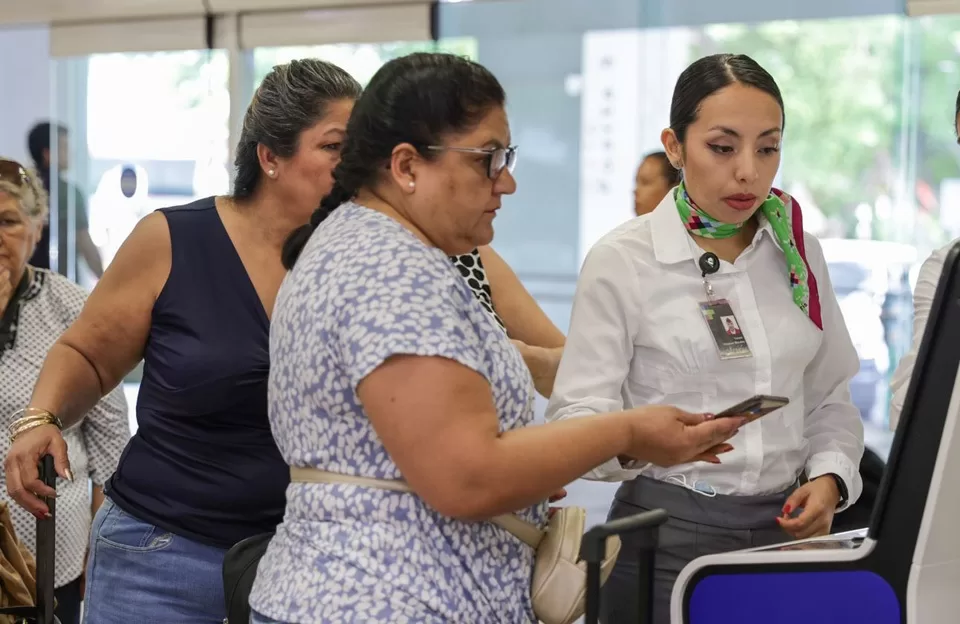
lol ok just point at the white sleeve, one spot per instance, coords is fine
(922, 302)
(833, 427)
(599, 347)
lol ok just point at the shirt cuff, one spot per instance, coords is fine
(832, 462)
(613, 470)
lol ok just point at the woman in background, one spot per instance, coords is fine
(923, 295)
(655, 177)
(36, 307)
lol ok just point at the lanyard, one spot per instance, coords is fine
(709, 264)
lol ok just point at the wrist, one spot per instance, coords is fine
(832, 484)
(621, 435)
(31, 418)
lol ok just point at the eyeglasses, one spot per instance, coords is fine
(498, 158)
(13, 173)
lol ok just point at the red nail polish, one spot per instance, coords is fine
(787, 510)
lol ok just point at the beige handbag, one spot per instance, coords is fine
(559, 576)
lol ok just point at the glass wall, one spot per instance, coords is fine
(145, 131)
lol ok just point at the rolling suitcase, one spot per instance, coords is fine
(593, 550)
(42, 612)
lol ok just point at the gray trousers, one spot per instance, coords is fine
(698, 525)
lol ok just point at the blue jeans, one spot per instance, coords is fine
(140, 573)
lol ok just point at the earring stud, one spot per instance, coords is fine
(411, 184)
(271, 173)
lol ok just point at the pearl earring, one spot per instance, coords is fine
(271, 173)
(411, 184)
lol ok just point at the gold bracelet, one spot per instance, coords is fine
(33, 411)
(31, 418)
(22, 430)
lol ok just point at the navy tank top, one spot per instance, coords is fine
(203, 463)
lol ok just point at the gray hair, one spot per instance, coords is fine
(292, 98)
(31, 196)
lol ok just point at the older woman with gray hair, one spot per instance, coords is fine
(191, 292)
(36, 307)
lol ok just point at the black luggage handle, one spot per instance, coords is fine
(593, 549)
(46, 548)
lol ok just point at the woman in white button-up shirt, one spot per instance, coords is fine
(638, 336)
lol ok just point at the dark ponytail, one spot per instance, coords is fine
(298, 238)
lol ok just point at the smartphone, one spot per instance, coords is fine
(755, 407)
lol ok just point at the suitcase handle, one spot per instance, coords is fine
(42, 613)
(46, 546)
(593, 550)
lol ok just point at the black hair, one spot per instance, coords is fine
(670, 173)
(415, 99)
(292, 98)
(708, 75)
(38, 141)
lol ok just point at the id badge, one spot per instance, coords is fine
(725, 329)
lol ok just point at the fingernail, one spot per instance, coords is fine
(48, 516)
(709, 416)
(787, 509)
(69, 475)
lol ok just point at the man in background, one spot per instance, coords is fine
(51, 166)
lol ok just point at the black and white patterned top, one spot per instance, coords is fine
(471, 268)
(46, 307)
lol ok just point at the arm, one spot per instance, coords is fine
(833, 427)
(85, 247)
(108, 338)
(922, 302)
(448, 446)
(599, 348)
(89, 252)
(416, 371)
(524, 318)
(92, 356)
(539, 340)
(97, 499)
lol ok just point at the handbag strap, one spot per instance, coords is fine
(526, 532)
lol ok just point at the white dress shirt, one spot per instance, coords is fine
(637, 337)
(923, 294)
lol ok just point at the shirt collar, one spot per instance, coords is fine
(28, 288)
(672, 243)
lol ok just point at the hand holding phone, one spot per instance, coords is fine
(755, 407)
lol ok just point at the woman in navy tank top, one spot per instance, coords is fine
(191, 292)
